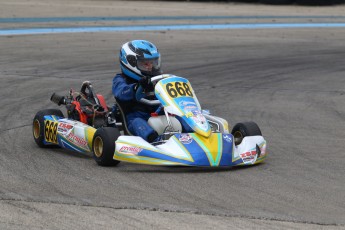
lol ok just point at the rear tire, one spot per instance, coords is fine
(38, 125)
(245, 129)
(103, 146)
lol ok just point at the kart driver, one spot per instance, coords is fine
(139, 61)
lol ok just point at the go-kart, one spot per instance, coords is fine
(94, 127)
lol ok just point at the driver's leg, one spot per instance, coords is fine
(138, 126)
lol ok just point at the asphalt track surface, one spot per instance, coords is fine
(290, 81)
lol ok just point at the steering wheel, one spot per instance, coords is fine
(139, 95)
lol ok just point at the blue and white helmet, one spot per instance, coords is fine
(140, 58)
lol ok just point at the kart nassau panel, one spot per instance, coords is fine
(192, 149)
(177, 96)
(69, 134)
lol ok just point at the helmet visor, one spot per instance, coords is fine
(149, 66)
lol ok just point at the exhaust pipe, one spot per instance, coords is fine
(57, 99)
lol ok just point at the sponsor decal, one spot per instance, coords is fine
(81, 142)
(199, 119)
(126, 91)
(73, 122)
(249, 157)
(189, 108)
(185, 103)
(185, 139)
(188, 105)
(227, 138)
(130, 150)
(64, 128)
(189, 114)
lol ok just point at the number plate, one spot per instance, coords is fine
(178, 89)
(50, 131)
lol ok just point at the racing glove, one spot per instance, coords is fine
(146, 83)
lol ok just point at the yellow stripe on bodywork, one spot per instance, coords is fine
(261, 159)
(143, 160)
(89, 133)
(54, 118)
(170, 99)
(212, 146)
(161, 98)
(202, 132)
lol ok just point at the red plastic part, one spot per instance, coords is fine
(102, 101)
(83, 116)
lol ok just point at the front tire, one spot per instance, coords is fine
(245, 129)
(103, 146)
(38, 125)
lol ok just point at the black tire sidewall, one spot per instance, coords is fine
(108, 135)
(40, 118)
(247, 129)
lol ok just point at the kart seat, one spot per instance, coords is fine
(120, 112)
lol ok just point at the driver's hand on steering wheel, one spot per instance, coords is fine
(146, 83)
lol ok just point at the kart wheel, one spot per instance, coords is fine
(103, 146)
(38, 125)
(245, 129)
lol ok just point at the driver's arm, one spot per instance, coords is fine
(122, 90)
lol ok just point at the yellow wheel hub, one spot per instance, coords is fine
(36, 129)
(238, 137)
(98, 147)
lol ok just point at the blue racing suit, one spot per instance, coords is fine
(137, 114)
